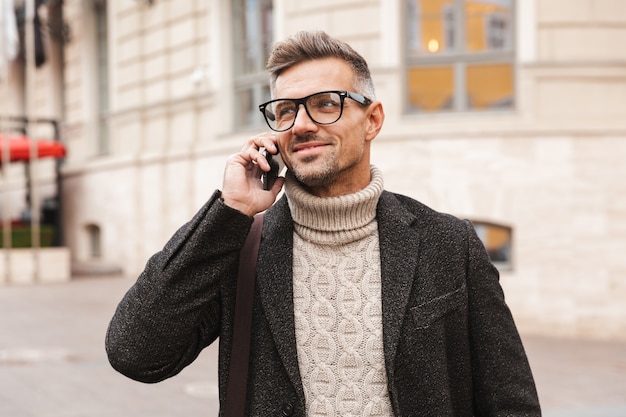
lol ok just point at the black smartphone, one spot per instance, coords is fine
(268, 178)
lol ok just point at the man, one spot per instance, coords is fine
(367, 303)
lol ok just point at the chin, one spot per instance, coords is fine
(315, 177)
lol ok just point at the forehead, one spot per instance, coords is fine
(312, 76)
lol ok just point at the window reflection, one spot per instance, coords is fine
(431, 88)
(497, 240)
(431, 26)
(252, 37)
(487, 25)
(489, 86)
(102, 74)
(460, 55)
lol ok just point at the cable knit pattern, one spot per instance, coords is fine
(337, 301)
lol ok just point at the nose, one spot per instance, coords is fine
(303, 123)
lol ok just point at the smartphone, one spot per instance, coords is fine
(268, 178)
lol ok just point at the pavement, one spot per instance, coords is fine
(53, 364)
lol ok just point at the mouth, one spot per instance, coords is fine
(308, 148)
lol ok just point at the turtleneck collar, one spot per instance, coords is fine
(334, 220)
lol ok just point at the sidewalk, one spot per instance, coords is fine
(52, 363)
(577, 378)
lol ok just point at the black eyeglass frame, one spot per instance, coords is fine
(362, 100)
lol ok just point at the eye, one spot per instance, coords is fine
(284, 109)
(327, 102)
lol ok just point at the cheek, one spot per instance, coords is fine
(282, 139)
(354, 143)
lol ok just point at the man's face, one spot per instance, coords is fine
(329, 159)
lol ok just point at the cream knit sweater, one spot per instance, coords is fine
(337, 301)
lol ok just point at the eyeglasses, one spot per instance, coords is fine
(323, 108)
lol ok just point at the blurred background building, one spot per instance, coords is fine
(511, 113)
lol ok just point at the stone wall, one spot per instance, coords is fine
(550, 169)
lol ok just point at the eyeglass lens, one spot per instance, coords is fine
(322, 108)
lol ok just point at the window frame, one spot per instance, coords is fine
(458, 60)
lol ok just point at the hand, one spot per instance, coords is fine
(242, 188)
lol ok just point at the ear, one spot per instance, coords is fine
(375, 119)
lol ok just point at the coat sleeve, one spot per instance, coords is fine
(502, 378)
(174, 309)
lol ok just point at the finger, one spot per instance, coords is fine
(265, 140)
(250, 158)
(252, 154)
(269, 143)
(258, 158)
(278, 185)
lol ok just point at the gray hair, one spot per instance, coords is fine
(307, 46)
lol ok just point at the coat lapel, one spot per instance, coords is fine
(399, 246)
(275, 285)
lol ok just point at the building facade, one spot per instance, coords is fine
(509, 113)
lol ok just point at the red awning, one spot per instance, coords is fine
(19, 148)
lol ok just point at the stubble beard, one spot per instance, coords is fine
(322, 171)
(316, 171)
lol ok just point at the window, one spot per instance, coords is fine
(102, 68)
(95, 241)
(253, 36)
(460, 55)
(497, 240)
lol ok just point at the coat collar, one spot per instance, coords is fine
(399, 249)
(399, 244)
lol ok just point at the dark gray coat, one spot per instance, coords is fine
(451, 346)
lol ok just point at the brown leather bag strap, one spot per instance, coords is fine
(242, 327)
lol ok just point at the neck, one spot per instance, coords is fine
(320, 219)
